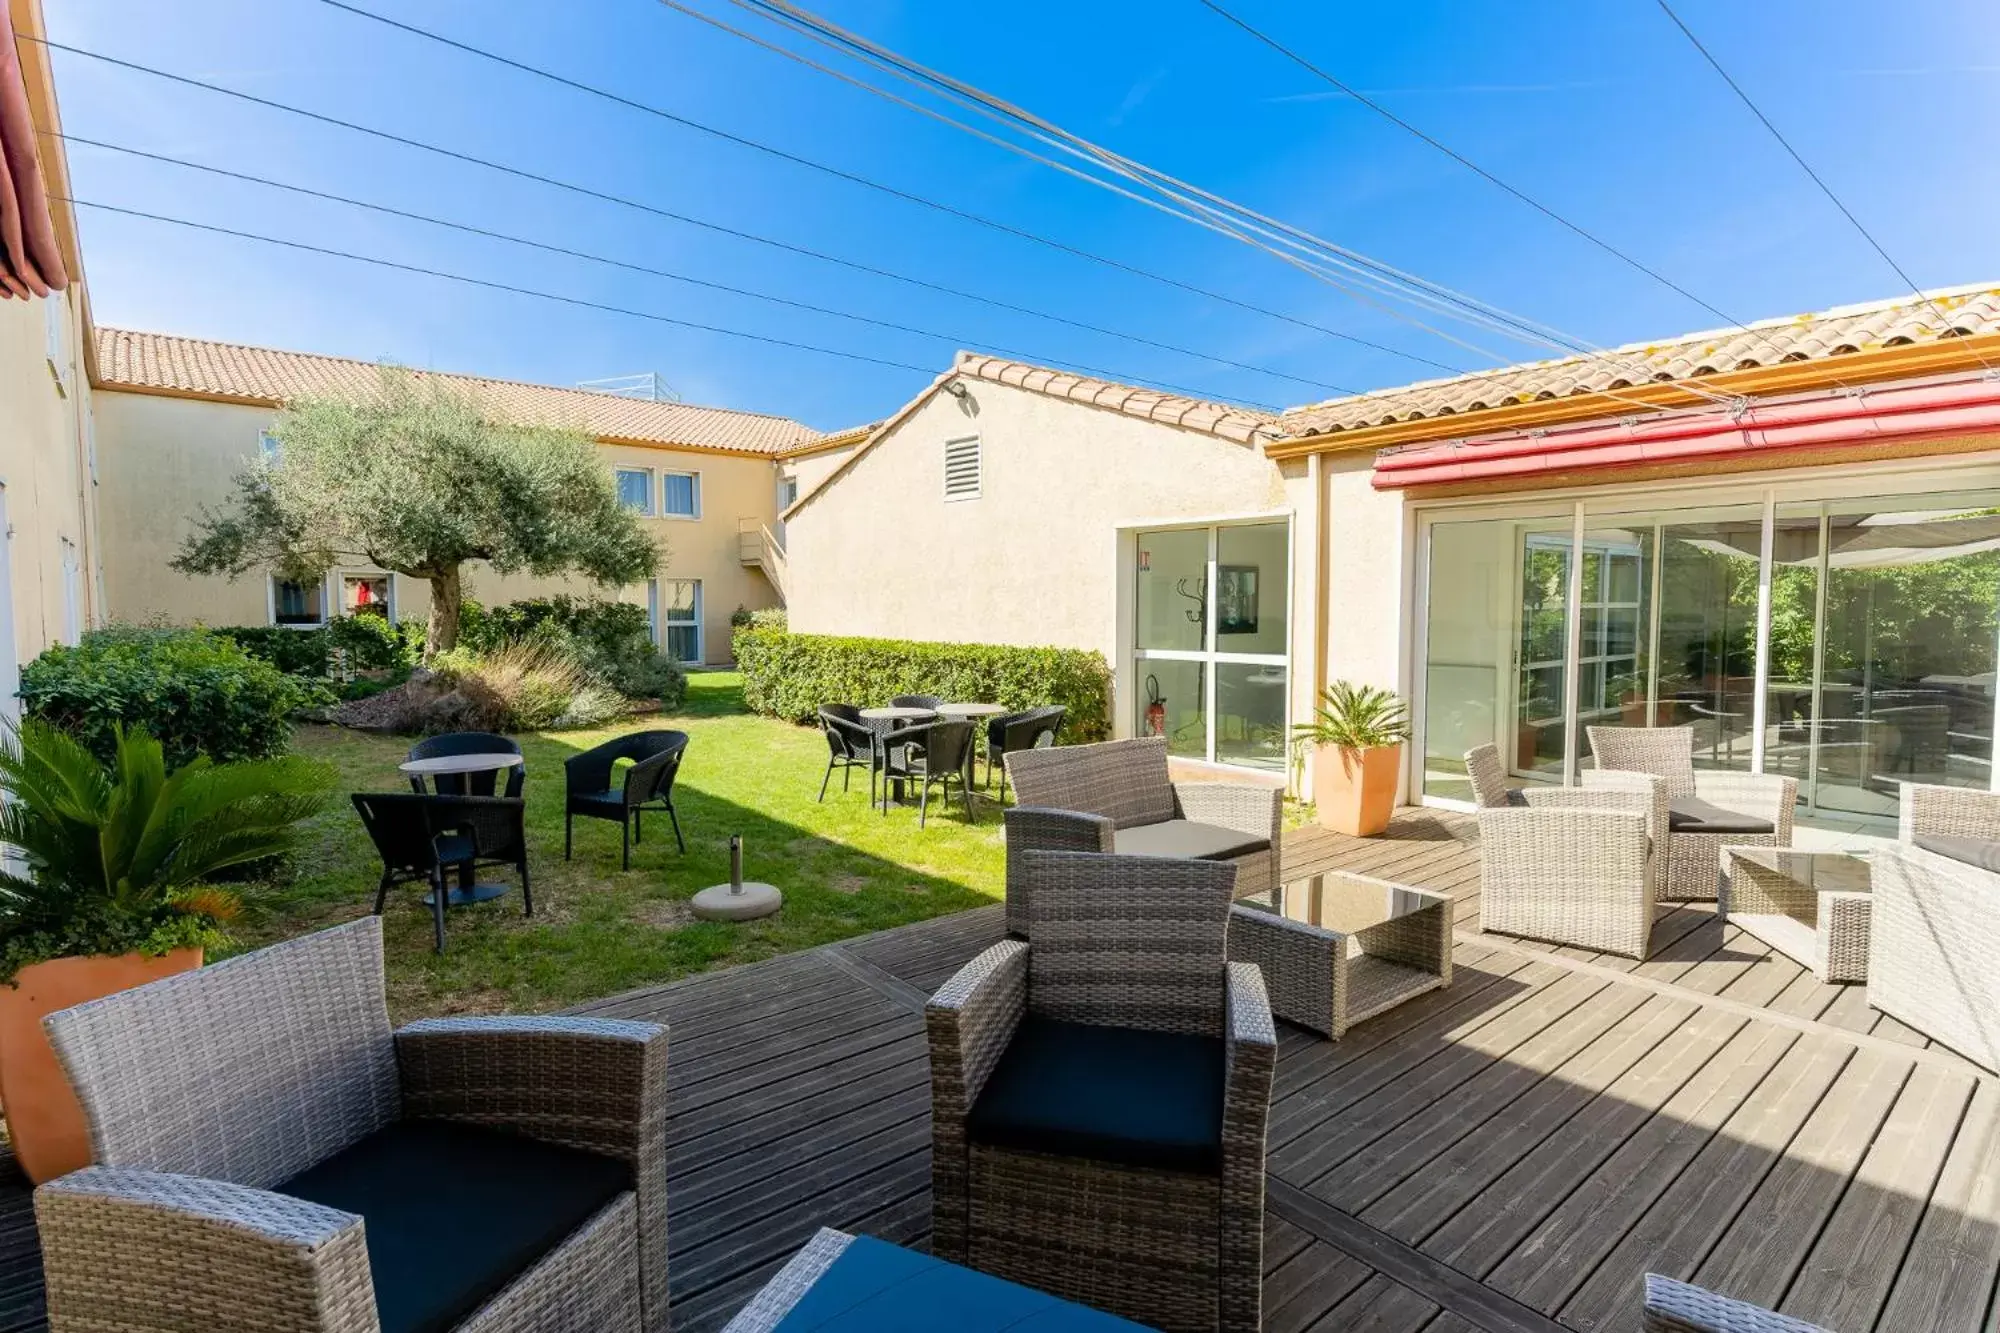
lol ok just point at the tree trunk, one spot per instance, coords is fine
(447, 598)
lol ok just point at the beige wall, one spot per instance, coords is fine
(51, 537)
(165, 457)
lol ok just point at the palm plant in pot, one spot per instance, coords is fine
(1355, 740)
(108, 885)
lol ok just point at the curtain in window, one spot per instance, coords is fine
(30, 261)
(681, 493)
(635, 491)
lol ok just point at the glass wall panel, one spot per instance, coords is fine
(1173, 702)
(1541, 671)
(1173, 589)
(1790, 726)
(1707, 668)
(1250, 715)
(1252, 588)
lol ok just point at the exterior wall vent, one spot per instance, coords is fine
(961, 469)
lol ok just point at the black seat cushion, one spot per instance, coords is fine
(456, 1212)
(1691, 814)
(1109, 1094)
(1187, 838)
(1981, 852)
(453, 848)
(609, 801)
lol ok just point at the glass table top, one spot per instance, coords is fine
(1828, 872)
(1344, 903)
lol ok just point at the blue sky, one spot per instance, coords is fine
(1597, 108)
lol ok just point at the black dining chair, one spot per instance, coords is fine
(849, 744)
(930, 701)
(1033, 729)
(934, 754)
(468, 784)
(420, 837)
(648, 784)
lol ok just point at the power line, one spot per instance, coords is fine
(601, 195)
(866, 182)
(548, 248)
(1806, 167)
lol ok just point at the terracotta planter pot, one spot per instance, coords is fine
(1355, 790)
(43, 1117)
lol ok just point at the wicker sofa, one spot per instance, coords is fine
(1707, 811)
(1074, 797)
(1680, 1307)
(248, 1118)
(1935, 924)
(1099, 1097)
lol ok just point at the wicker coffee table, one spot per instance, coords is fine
(1812, 907)
(1338, 948)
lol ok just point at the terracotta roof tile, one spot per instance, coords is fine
(164, 363)
(1241, 424)
(1831, 333)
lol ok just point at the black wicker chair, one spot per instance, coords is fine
(468, 784)
(1034, 729)
(934, 754)
(850, 744)
(930, 701)
(649, 784)
(420, 837)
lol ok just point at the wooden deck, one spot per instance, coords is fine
(1509, 1154)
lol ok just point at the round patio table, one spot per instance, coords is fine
(450, 765)
(971, 713)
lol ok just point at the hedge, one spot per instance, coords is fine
(369, 640)
(791, 675)
(198, 692)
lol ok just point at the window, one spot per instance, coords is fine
(267, 447)
(297, 603)
(635, 489)
(364, 595)
(961, 469)
(680, 494)
(678, 603)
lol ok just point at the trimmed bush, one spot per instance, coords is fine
(370, 642)
(791, 675)
(199, 692)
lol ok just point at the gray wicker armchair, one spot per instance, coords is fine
(1076, 797)
(1934, 927)
(1707, 811)
(1099, 1098)
(248, 1118)
(1679, 1307)
(1571, 865)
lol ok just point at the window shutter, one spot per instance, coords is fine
(961, 469)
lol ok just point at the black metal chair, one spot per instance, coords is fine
(934, 754)
(930, 701)
(850, 745)
(420, 837)
(468, 784)
(648, 784)
(1033, 729)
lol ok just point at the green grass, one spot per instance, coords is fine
(844, 869)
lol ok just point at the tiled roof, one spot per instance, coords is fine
(833, 439)
(162, 363)
(1814, 337)
(1241, 424)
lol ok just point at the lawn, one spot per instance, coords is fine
(844, 868)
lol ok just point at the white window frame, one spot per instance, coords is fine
(652, 505)
(694, 479)
(978, 468)
(326, 601)
(340, 578)
(661, 624)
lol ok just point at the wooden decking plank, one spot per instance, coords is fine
(1763, 981)
(1562, 1249)
(1299, 1291)
(1756, 1259)
(706, 992)
(869, 1029)
(1372, 1171)
(1806, 997)
(1683, 1072)
(1379, 1305)
(1442, 1073)
(769, 1162)
(693, 1066)
(1282, 1240)
(1462, 1169)
(887, 984)
(1686, 1219)
(685, 1133)
(1947, 1278)
(823, 1175)
(1847, 1279)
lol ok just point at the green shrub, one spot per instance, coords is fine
(791, 675)
(521, 686)
(770, 617)
(199, 692)
(611, 640)
(370, 642)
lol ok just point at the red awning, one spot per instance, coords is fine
(30, 260)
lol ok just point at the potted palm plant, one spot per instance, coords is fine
(108, 885)
(1356, 740)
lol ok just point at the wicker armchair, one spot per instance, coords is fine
(1099, 1098)
(1035, 729)
(270, 1155)
(1572, 865)
(1124, 787)
(421, 837)
(648, 785)
(1934, 929)
(1707, 811)
(849, 745)
(1678, 1307)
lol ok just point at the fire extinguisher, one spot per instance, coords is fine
(1156, 708)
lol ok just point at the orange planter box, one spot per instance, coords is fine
(1355, 790)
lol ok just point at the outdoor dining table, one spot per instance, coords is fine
(899, 715)
(971, 713)
(462, 765)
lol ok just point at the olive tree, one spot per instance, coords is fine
(419, 480)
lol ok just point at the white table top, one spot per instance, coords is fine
(972, 710)
(887, 714)
(460, 763)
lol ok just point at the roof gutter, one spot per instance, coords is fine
(1857, 417)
